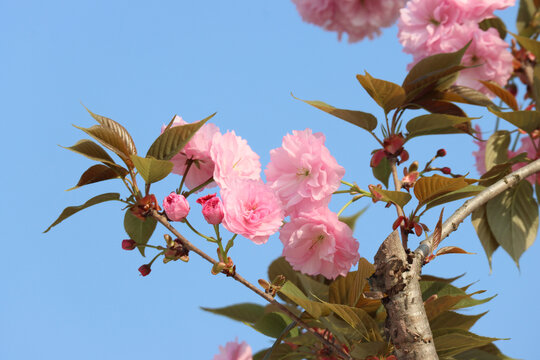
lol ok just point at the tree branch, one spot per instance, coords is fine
(452, 223)
(163, 220)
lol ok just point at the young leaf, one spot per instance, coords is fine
(432, 187)
(272, 324)
(466, 95)
(487, 239)
(91, 150)
(497, 148)
(382, 171)
(313, 308)
(452, 319)
(525, 120)
(495, 23)
(348, 290)
(440, 107)
(513, 219)
(351, 220)
(452, 250)
(467, 191)
(526, 12)
(98, 173)
(173, 140)
(75, 209)
(117, 129)
(449, 342)
(387, 94)
(441, 304)
(152, 170)
(138, 230)
(109, 139)
(502, 93)
(435, 124)
(245, 312)
(362, 119)
(399, 198)
(530, 44)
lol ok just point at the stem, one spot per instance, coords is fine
(345, 206)
(347, 183)
(230, 244)
(188, 162)
(198, 233)
(163, 220)
(209, 181)
(514, 145)
(397, 184)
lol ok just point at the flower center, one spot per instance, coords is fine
(303, 172)
(316, 241)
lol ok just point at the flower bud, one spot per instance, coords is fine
(441, 153)
(212, 209)
(377, 158)
(176, 206)
(145, 269)
(446, 170)
(128, 244)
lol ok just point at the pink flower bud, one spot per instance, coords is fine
(441, 153)
(128, 244)
(176, 206)
(446, 170)
(145, 269)
(212, 209)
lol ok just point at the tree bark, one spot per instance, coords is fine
(397, 275)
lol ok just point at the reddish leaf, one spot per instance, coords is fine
(452, 250)
(502, 93)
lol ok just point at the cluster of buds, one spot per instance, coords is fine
(392, 150)
(274, 287)
(144, 206)
(226, 267)
(410, 226)
(175, 250)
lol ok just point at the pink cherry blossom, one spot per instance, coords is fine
(479, 10)
(234, 350)
(358, 19)
(428, 27)
(318, 12)
(212, 209)
(302, 172)
(176, 206)
(233, 159)
(317, 242)
(198, 150)
(252, 210)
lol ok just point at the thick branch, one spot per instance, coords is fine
(397, 275)
(452, 223)
(163, 220)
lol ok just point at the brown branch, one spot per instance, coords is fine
(163, 220)
(397, 185)
(452, 223)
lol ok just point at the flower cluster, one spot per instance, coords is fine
(359, 19)
(428, 27)
(304, 175)
(527, 146)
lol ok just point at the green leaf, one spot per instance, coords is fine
(525, 120)
(429, 188)
(98, 173)
(513, 219)
(434, 72)
(486, 352)
(437, 306)
(525, 15)
(117, 129)
(359, 118)
(358, 319)
(75, 209)
(481, 225)
(351, 220)
(382, 171)
(400, 198)
(138, 230)
(467, 191)
(440, 289)
(530, 44)
(272, 324)
(431, 124)
(466, 95)
(152, 170)
(109, 139)
(497, 148)
(313, 308)
(174, 139)
(245, 312)
(452, 319)
(496, 23)
(536, 84)
(365, 350)
(449, 342)
(387, 94)
(281, 352)
(95, 152)
(348, 290)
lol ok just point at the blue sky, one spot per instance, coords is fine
(73, 293)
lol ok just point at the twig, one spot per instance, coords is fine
(452, 223)
(163, 220)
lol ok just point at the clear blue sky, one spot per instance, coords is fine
(73, 293)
